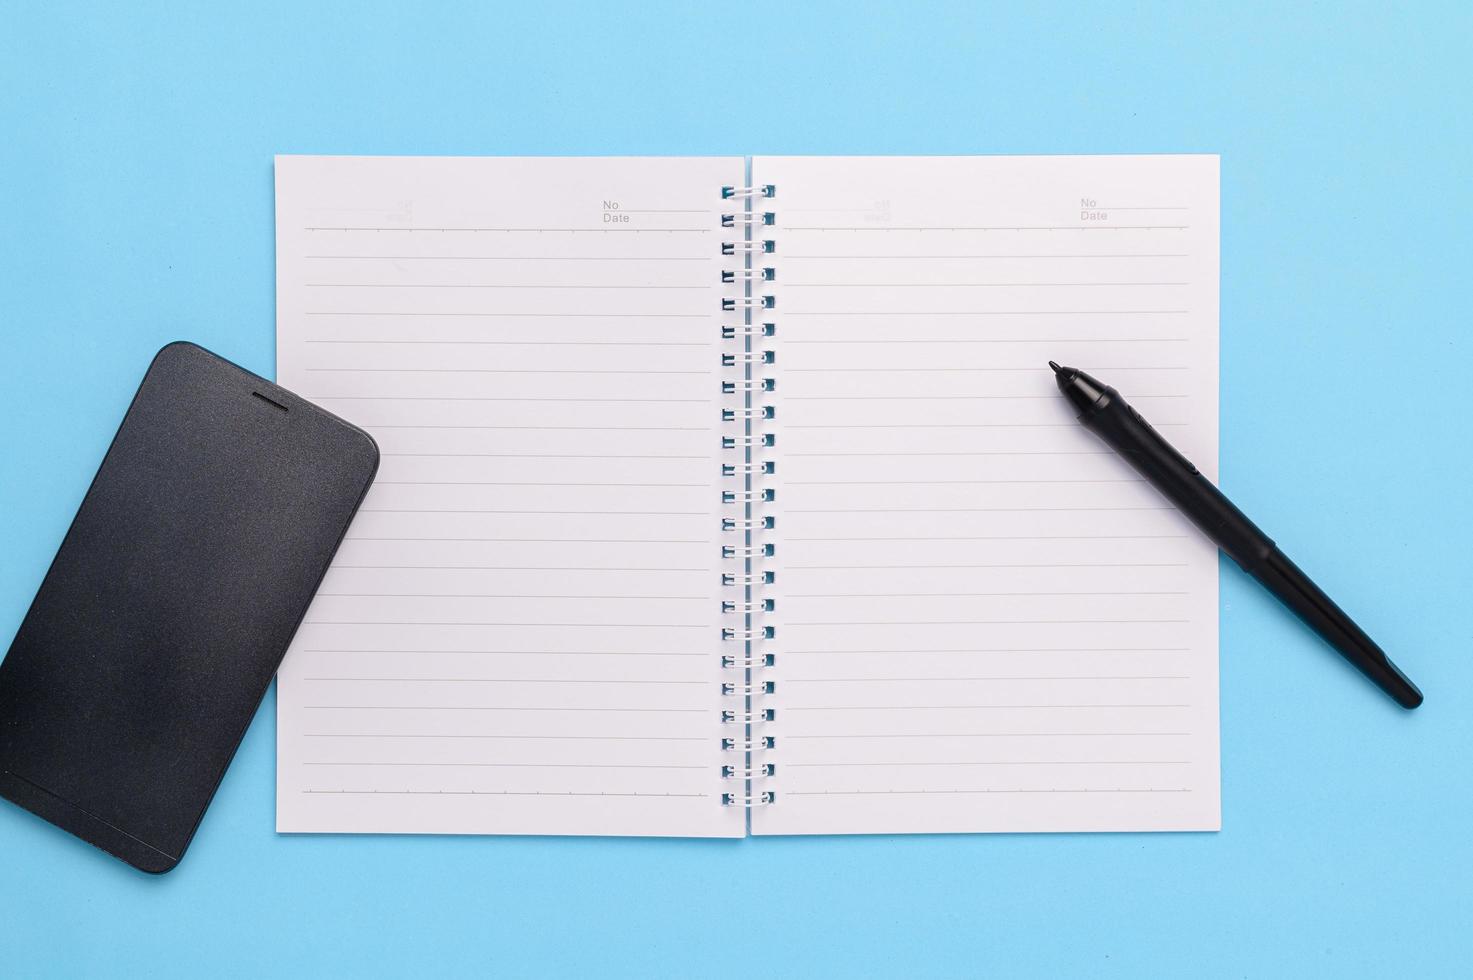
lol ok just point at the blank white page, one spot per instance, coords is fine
(520, 632)
(985, 620)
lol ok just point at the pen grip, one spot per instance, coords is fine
(1129, 434)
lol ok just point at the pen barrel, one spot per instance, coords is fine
(1123, 428)
(1295, 589)
(1171, 473)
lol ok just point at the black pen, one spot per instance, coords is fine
(1108, 416)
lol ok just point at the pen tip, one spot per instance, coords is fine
(1055, 366)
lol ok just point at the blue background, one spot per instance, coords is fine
(136, 208)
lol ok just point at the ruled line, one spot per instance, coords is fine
(357, 537)
(503, 483)
(940, 484)
(962, 425)
(1039, 762)
(511, 343)
(895, 313)
(961, 370)
(962, 285)
(965, 510)
(530, 738)
(1003, 255)
(946, 398)
(526, 258)
(1081, 227)
(980, 622)
(498, 680)
(484, 398)
(964, 792)
(962, 595)
(546, 456)
(486, 285)
(991, 340)
(521, 568)
(926, 483)
(488, 792)
(357, 370)
(960, 707)
(530, 316)
(515, 653)
(1007, 735)
(1065, 564)
(560, 428)
(423, 622)
(908, 651)
(601, 513)
(465, 707)
(928, 680)
(563, 231)
(1008, 537)
(519, 595)
(509, 765)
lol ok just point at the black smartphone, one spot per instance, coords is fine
(171, 602)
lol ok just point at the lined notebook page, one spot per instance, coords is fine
(519, 635)
(986, 622)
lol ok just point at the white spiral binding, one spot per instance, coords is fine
(749, 553)
(750, 219)
(744, 580)
(743, 331)
(746, 442)
(748, 303)
(746, 496)
(748, 248)
(758, 524)
(743, 414)
(748, 632)
(765, 190)
(748, 607)
(739, 360)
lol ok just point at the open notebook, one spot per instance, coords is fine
(724, 496)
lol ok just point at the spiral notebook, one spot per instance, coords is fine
(733, 495)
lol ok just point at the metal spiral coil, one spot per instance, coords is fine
(764, 190)
(736, 220)
(744, 580)
(747, 631)
(748, 330)
(747, 496)
(766, 246)
(765, 274)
